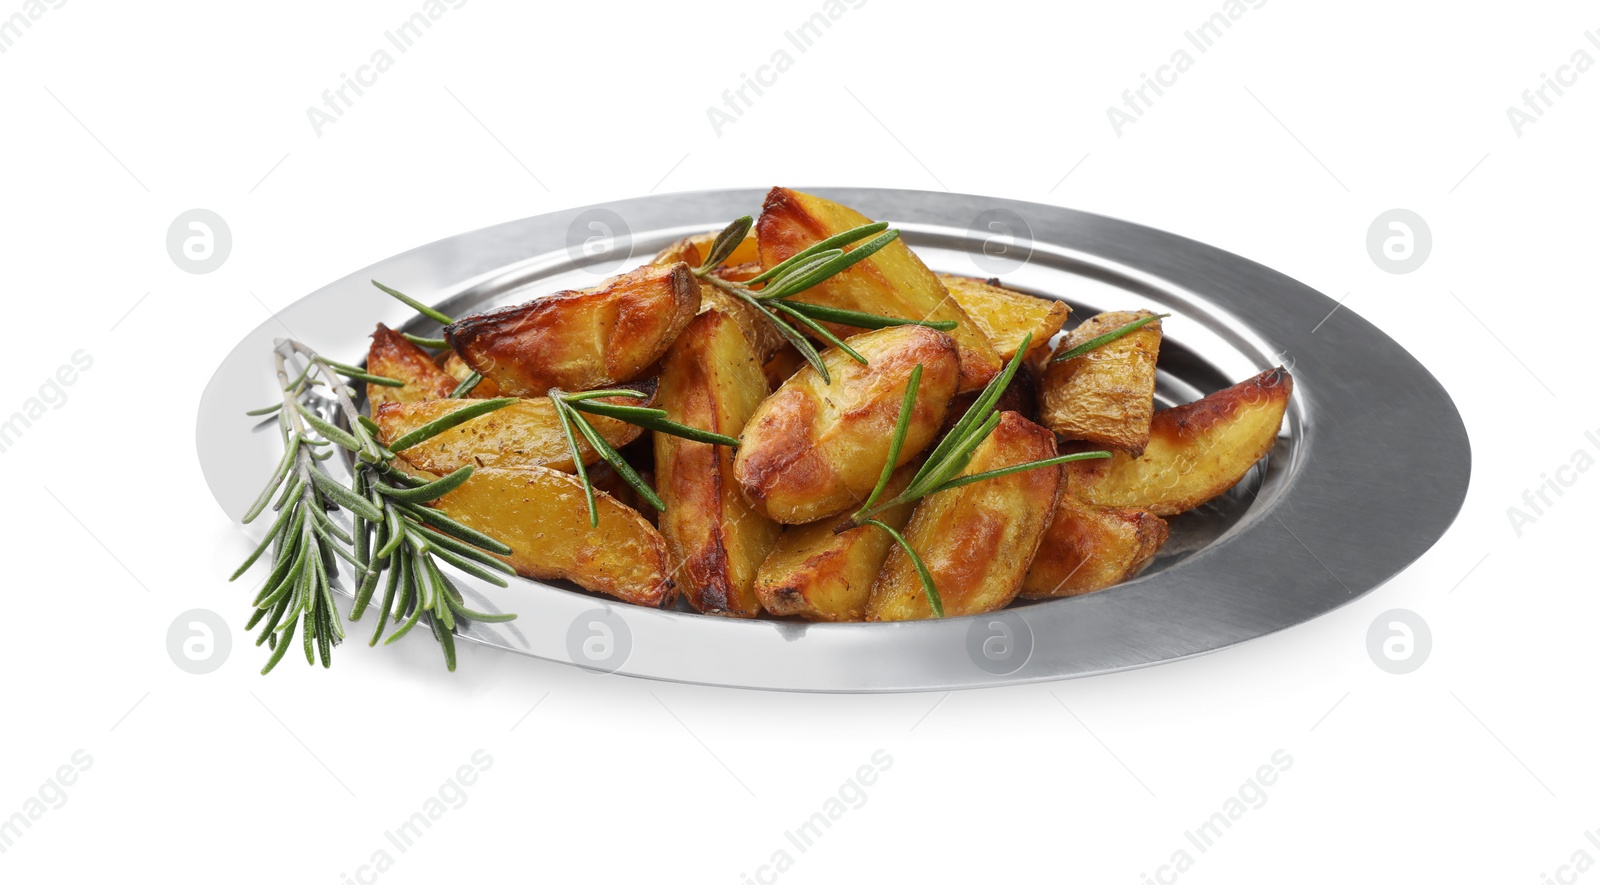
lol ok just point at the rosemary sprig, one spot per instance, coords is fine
(465, 387)
(942, 469)
(419, 307)
(800, 272)
(415, 305)
(569, 408)
(1107, 338)
(392, 534)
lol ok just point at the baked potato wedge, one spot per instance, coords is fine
(1196, 451)
(457, 369)
(1106, 396)
(977, 540)
(1005, 316)
(525, 433)
(814, 450)
(583, 338)
(542, 516)
(1090, 548)
(893, 282)
(693, 250)
(392, 356)
(712, 380)
(815, 574)
(762, 335)
(1019, 396)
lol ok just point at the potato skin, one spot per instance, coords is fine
(1019, 396)
(814, 450)
(583, 338)
(818, 575)
(710, 379)
(747, 251)
(392, 356)
(525, 433)
(1196, 451)
(459, 370)
(977, 540)
(893, 282)
(1107, 396)
(1005, 316)
(1090, 548)
(692, 251)
(541, 514)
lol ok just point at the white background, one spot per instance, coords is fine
(1282, 143)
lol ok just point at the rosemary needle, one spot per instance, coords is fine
(941, 471)
(799, 272)
(1102, 340)
(392, 535)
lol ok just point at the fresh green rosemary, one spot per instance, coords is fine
(942, 469)
(799, 272)
(1107, 338)
(392, 534)
(568, 407)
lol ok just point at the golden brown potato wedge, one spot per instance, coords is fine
(459, 370)
(1018, 397)
(1196, 452)
(1106, 396)
(583, 338)
(762, 335)
(746, 252)
(525, 433)
(893, 282)
(977, 540)
(1005, 316)
(1090, 548)
(711, 380)
(739, 273)
(815, 574)
(392, 356)
(542, 516)
(814, 450)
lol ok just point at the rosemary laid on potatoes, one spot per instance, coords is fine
(942, 471)
(806, 268)
(569, 406)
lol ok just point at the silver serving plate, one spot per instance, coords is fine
(1321, 521)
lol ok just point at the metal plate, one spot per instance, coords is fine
(1317, 524)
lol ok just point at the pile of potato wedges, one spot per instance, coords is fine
(760, 530)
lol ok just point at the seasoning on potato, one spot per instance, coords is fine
(711, 379)
(541, 515)
(583, 338)
(977, 540)
(817, 574)
(1106, 396)
(893, 282)
(740, 265)
(1090, 548)
(456, 368)
(1006, 317)
(392, 356)
(1196, 451)
(524, 434)
(814, 450)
